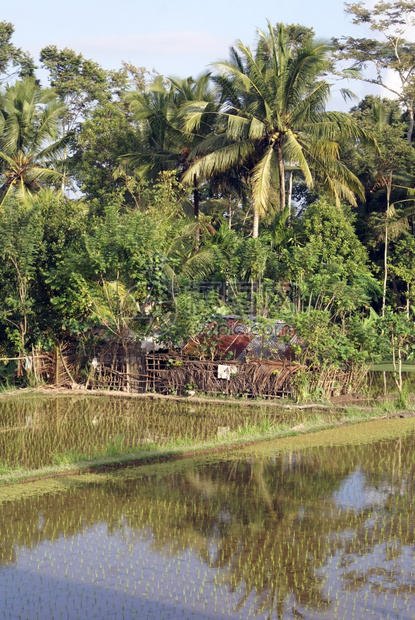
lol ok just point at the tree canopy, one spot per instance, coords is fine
(142, 204)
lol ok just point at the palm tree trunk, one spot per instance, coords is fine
(281, 171)
(196, 210)
(290, 190)
(289, 197)
(6, 193)
(255, 226)
(385, 277)
(407, 298)
(385, 258)
(196, 199)
(411, 124)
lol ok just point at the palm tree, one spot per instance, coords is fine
(273, 113)
(392, 171)
(160, 111)
(29, 138)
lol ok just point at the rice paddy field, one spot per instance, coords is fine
(37, 432)
(314, 526)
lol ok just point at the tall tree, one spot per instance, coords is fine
(13, 61)
(387, 174)
(328, 265)
(273, 114)
(393, 159)
(102, 126)
(101, 140)
(390, 20)
(81, 84)
(20, 239)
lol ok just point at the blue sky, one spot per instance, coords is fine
(178, 37)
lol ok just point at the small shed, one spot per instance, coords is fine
(233, 339)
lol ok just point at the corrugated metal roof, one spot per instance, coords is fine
(241, 340)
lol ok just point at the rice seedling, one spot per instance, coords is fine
(37, 432)
(319, 526)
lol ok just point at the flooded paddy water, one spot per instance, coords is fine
(314, 526)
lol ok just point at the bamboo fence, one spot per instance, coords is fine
(126, 368)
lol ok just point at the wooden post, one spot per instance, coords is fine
(133, 371)
(56, 366)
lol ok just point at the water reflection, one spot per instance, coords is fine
(319, 532)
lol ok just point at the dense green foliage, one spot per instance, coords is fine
(147, 205)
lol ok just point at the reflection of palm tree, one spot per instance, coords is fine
(276, 554)
(29, 138)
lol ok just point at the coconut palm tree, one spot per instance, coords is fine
(272, 114)
(29, 138)
(160, 111)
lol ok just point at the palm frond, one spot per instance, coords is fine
(222, 159)
(202, 264)
(294, 152)
(261, 180)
